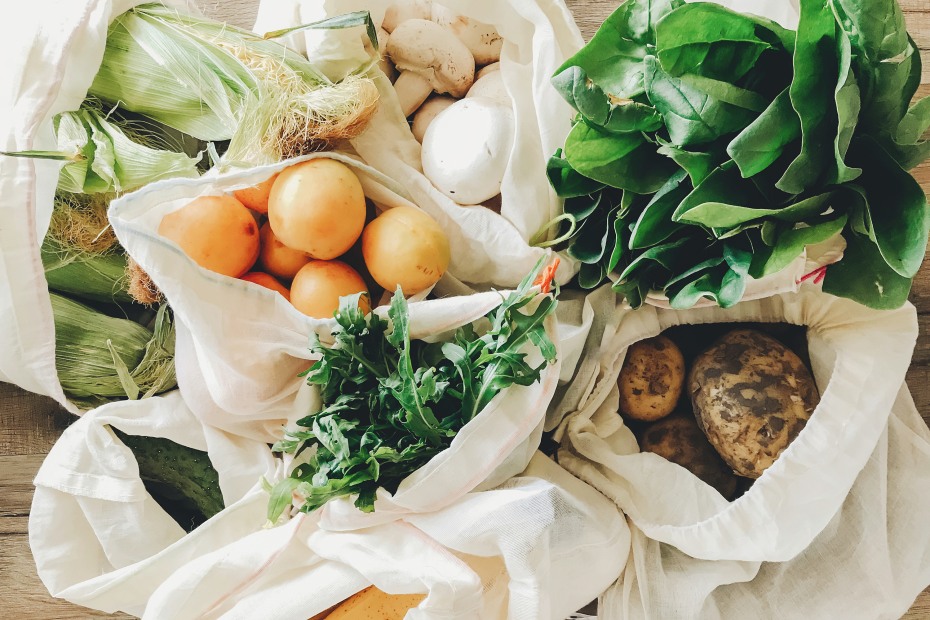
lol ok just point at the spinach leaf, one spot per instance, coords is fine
(863, 276)
(691, 116)
(812, 96)
(612, 116)
(698, 164)
(626, 161)
(789, 244)
(566, 181)
(764, 140)
(613, 58)
(898, 208)
(655, 223)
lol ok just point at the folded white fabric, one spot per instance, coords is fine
(538, 546)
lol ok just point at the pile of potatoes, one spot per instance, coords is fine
(308, 233)
(446, 71)
(725, 414)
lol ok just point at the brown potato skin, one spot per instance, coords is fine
(651, 379)
(678, 439)
(373, 604)
(751, 396)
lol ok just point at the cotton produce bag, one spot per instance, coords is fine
(539, 545)
(688, 539)
(54, 49)
(487, 248)
(240, 348)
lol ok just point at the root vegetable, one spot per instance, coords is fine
(317, 207)
(269, 282)
(678, 439)
(466, 149)
(427, 112)
(406, 247)
(278, 259)
(651, 379)
(217, 232)
(482, 40)
(319, 284)
(751, 397)
(373, 604)
(425, 48)
(256, 197)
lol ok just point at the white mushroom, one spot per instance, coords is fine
(482, 40)
(494, 66)
(427, 112)
(405, 9)
(412, 91)
(425, 48)
(492, 87)
(466, 149)
(385, 63)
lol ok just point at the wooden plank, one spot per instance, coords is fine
(914, 5)
(31, 423)
(23, 594)
(920, 610)
(918, 25)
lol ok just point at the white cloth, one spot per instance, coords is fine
(539, 545)
(487, 248)
(688, 540)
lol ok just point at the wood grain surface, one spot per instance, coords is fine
(30, 424)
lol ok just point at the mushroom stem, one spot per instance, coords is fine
(412, 91)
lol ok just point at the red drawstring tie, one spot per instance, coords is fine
(817, 274)
(544, 279)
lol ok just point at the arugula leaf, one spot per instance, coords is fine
(391, 403)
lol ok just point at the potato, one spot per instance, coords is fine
(678, 439)
(269, 282)
(319, 284)
(373, 604)
(751, 397)
(256, 197)
(278, 259)
(405, 246)
(218, 232)
(317, 207)
(651, 379)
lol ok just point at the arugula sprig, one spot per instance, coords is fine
(391, 403)
(712, 146)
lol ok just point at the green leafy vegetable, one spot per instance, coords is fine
(705, 136)
(391, 403)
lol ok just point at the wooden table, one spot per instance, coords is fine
(30, 424)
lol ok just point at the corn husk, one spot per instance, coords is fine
(105, 159)
(94, 277)
(101, 358)
(217, 82)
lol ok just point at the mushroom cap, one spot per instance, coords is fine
(492, 87)
(494, 66)
(425, 48)
(466, 149)
(427, 113)
(403, 10)
(482, 40)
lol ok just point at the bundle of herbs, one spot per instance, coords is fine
(712, 146)
(391, 403)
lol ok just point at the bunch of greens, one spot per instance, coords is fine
(712, 146)
(391, 403)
